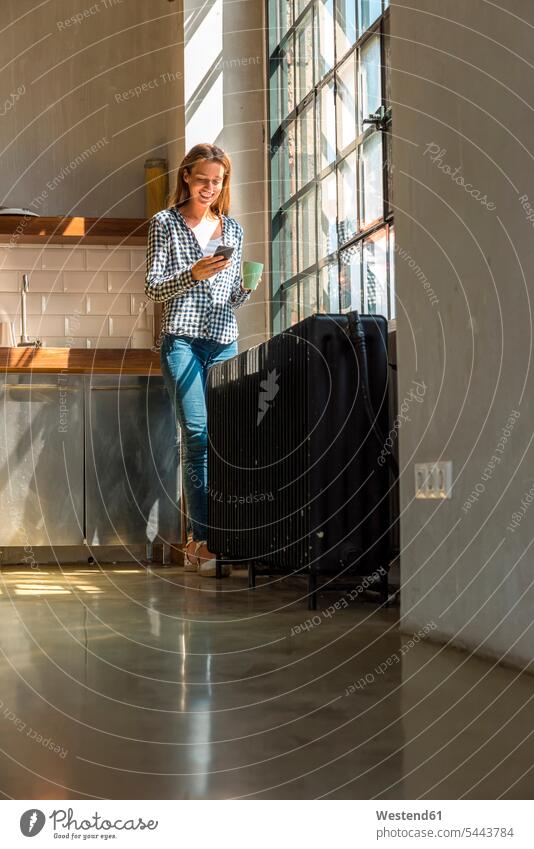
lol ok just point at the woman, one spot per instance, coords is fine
(199, 291)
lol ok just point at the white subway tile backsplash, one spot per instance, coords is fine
(56, 342)
(72, 259)
(86, 325)
(112, 259)
(108, 342)
(108, 304)
(46, 325)
(86, 296)
(126, 281)
(10, 281)
(122, 325)
(23, 258)
(137, 301)
(64, 304)
(45, 281)
(10, 305)
(85, 281)
(34, 303)
(138, 259)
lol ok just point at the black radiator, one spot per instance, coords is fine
(298, 479)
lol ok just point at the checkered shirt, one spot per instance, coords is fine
(203, 308)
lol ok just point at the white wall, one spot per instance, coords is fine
(462, 81)
(77, 76)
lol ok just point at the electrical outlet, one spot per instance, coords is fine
(433, 480)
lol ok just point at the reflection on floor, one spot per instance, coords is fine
(127, 683)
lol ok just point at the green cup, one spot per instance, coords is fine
(252, 272)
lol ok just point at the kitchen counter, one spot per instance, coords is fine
(90, 450)
(138, 361)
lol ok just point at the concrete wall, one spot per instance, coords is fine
(68, 70)
(463, 109)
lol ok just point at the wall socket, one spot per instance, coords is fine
(433, 480)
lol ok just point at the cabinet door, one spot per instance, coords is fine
(132, 470)
(41, 459)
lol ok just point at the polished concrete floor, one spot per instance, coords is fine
(128, 683)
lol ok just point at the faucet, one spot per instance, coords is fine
(24, 341)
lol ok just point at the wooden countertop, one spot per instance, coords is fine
(27, 230)
(80, 360)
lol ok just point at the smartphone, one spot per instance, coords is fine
(224, 250)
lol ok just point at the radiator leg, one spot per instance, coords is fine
(218, 567)
(312, 590)
(251, 576)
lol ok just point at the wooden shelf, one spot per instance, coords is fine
(80, 360)
(19, 229)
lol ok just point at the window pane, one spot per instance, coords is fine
(347, 205)
(307, 237)
(387, 137)
(329, 289)
(290, 309)
(277, 245)
(369, 11)
(308, 295)
(274, 94)
(326, 37)
(375, 274)
(287, 84)
(392, 296)
(356, 195)
(277, 313)
(285, 244)
(386, 43)
(328, 126)
(276, 180)
(370, 91)
(274, 7)
(306, 145)
(328, 226)
(285, 15)
(350, 278)
(346, 103)
(372, 200)
(305, 60)
(283, 178)
(346, 29)
(300, 5)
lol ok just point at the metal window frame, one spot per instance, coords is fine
(381, 27)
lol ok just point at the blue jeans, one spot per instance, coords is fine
(185, 362)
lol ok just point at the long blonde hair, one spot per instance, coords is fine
(211, 153)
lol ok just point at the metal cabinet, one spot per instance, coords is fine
(41, 460)
(87, 458)
(132, 474)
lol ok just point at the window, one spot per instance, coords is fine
(330, 143)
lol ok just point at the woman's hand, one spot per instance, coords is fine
(209, 267)
(244, 289)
